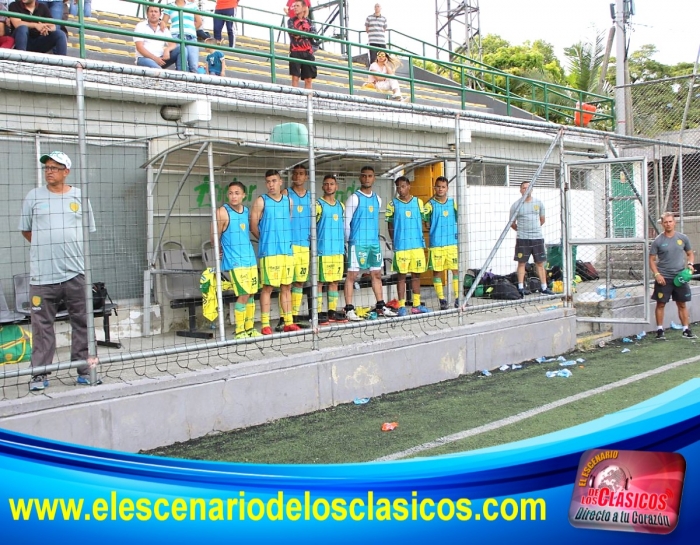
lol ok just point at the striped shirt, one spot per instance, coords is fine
(376, 27)
(187, 21)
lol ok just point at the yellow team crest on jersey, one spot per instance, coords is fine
(335, 217)
(371, 209)
(679, 242)
(660, 295)
(36, 301)
(408, 213)
(300, 209)
(74, 206)
(445, 213)
(520, 255)
(242, 226)
(536, 208)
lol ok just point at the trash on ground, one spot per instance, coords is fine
(486, 373)
(504, 368)
(567, 363)
(390, 426)
(561, 358)
(564, 373)
(590, 297)
(625, 350)
(516, 366)
(544, 359)
(553, 307)
(580, 360)
(626, 340)
(601, 344)
(361, 400)
(676, 326)
(641, 335)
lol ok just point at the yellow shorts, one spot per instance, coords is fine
(245, 280)
(330, 267)
(409, 261)
(443, 258)
(276, 270)
(301, 263)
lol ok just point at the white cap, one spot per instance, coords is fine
(57, 156)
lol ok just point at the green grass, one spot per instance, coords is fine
(351, 433)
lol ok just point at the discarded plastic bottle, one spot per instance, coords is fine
(361, 400)
(567, 363)
(516, 366)
(504, 368)
(564, 373)
(676, 326)
(486, 373)
(626, 340)
(625, 350)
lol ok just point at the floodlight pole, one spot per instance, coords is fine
(620, 62)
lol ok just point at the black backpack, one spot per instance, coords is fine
(502, 289)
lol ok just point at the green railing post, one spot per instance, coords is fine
(412, 78)
(545, 99)
(183, 47)
(351, 84)
(273, 68)
(81, 30)
(508, 98)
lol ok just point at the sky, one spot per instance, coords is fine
(671, 25)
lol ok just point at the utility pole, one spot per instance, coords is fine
(623, 9)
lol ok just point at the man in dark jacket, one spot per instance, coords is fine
(301, 47)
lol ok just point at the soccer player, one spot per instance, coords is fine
(405, 215)
(364, 250)
(270, 222)
(441, 217)
(302, 216)
(238, 257)
(331, 249)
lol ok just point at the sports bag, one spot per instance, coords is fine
(15, 344)
(586, 271)
(502, 289)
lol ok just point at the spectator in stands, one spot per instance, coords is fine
(289, 11)
(55, 8)
(34, 36)
(52, 222)
(301, 47)
(190, 23)
(216, 63)
(385, 66)
(228, 8)
(6, 41)
(154, 53)
(87, 7)
(375, 25)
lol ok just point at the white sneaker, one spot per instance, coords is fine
(350, 315)
(387, 312)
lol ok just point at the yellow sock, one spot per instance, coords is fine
(297, 296)
(402, 303)
(416, 299)
(288, 318)
(250, 315)
(265, 319)
(332, 300)
(437, 284)
(455, 287)
(319, 307)
(239, 316)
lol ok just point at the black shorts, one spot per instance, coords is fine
(663, 294)
(303, 71)
(526, 247)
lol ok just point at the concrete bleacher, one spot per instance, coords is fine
(107, 46)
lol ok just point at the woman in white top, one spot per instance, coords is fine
(385, 66)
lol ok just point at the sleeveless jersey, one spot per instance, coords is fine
(275, 228)
(408, 223)
(443, 223)
(301, 218)
(364, 226)
(330, 230)
(235, 241)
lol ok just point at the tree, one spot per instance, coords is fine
(584, 62)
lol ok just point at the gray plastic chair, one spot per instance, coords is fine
(8, 316)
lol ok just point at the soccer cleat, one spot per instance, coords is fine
(420, 309)
(280, 326)
(687, 334)
(291, 327)
(660, 336)
(443, 304)
(386, 312)
(38, 383)
(323, 318)
(253, 333)
(337, 316)
(241, 335)
(84, 380)
(352, 316)
(403, 311)
(267, 330)
(456, 303)
(547, 292)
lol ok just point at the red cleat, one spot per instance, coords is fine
(291, 327)
(267, 330)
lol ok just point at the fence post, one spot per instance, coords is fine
(313, 250)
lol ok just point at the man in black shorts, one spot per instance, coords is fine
(670, 253)
(301, 47)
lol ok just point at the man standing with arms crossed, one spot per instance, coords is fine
(364, 250)
(670, 253)
(52, 221)
(375, 25)
(270, 223)
(529, 240)
(301, 47)
(331, 247)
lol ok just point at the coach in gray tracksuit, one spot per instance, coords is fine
(51, 221)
